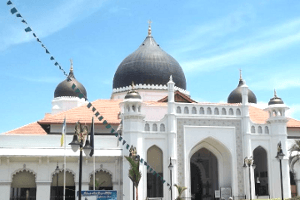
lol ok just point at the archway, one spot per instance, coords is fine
(57, 186)
(261, 176)
(23, 185)
(154, 184)
(204, 174)
(103, 181)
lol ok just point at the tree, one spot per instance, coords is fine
(294, 153)
(134, 173)
(180, 190)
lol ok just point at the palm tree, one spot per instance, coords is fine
(295, 149)
(180, 190)
(134, 173)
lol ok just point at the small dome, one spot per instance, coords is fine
(149, 64)
(65, 87)
(275, 100)
(236, 95)
(132, 94)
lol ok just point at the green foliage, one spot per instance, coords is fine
(180, 190)
(134, 174)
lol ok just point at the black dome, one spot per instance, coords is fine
(236, 95)
(65, 88)
(149, 64)
(275, 100)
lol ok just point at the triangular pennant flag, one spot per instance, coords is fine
(13, 10)
(24, 21)
(51, 58)
(80, 95)
(38, 39)
(9, 3)
(92, 137)
(19, 15)
(28, 29)
(47, 51)
(34, 34)
(43, 46)
(168, 184)
(56, 63)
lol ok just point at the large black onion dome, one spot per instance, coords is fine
(132, 94)
(149, 64)
(275, 100)
(65, 88)
(236, 95)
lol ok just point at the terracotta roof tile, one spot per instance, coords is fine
(29, 129)
(258, 115)
(108, 108)
(293, 123)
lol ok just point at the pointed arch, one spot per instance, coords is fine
(103, 179)
(261, 175)
(24, 183)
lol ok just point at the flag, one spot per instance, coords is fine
(13, 10)
(63, 133)
(9, 3)
(28, 29)
(92, 137)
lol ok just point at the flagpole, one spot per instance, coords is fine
(65, 163)
(93, 135)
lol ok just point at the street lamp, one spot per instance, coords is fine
(56, 171)
(76, 143)
(170, 168)
(280, 156)
(248, 162)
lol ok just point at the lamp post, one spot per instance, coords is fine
(76, 143)
(248, 162)
(280, 156)
(56, 171)
(170, 168)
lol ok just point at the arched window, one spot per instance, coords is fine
(178, 109)
(238, 112)
(154, 127)
(209, 111)
(147, 127)
(223, 111)
(162, 128)
(194, 110)
(259, 129)
(23, 186)
(202, 110)
(252, 129)
(230, 111)
(216, 112)
(186, 110)
(154, 183)
(133, 108)
(139, 109)
(266, 130)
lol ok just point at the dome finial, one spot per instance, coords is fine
(171, 78)
(149, 27)
(132, 85)
(275, 93)
(241, 75)
(71, 68)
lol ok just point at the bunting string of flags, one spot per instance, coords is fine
(81, 95)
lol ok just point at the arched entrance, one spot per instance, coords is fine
(23, 185)
(57, 186)
(204, 174)
(103, 181)
(261, 176)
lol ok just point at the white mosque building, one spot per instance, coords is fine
(207, 142)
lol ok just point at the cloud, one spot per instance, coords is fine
(45, 21)
(294, 111)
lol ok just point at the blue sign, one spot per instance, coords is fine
(99, 194)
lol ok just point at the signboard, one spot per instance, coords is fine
(225, 193)
(99, 195)
(217, 194)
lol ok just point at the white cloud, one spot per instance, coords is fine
(45, 21)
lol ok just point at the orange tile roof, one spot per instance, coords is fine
(108, 108)
(293, 123)
(29, 129)
(258, 115)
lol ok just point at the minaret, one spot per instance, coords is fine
(278, 133)
(133, 127)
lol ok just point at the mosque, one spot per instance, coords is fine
(217, 150)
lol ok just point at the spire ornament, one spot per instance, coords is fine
(149, 27)
(275, 93)
(71, 68)
(241, 74)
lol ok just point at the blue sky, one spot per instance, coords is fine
(211, 40)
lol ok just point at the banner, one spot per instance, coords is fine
(99, 195)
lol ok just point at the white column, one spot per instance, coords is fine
(43, 190)
(5, 190)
